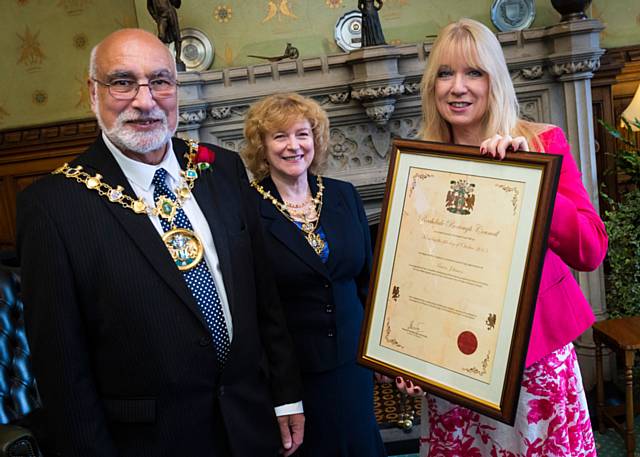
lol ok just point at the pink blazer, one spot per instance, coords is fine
(577, 239)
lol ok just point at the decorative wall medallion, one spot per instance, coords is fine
(348, 31)
(334, 3)
(509, 15)
(73, 7)
(531, 109)
(278, 8)
(31, 55)
(363, 145)
(39, 97)
(341, 147)
(80, 41)
(197, 51)
(223, 13)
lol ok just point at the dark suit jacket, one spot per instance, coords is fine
(122, 355)
(323, 303)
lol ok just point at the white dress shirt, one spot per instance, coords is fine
(140, 176)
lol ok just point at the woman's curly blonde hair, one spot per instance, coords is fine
(277, 112)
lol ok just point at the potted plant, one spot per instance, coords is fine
(622, 221)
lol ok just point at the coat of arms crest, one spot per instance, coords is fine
(460, 198)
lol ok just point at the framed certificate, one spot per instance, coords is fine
(458, 259)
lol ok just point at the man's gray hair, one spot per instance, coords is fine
(93, 68)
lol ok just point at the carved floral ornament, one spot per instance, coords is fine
(534, 72)
(380, 114)
(220, 112)
(193, 117)
(578, 66)
(378, 101)
(374, 93)
(412, 88)
(339, 98)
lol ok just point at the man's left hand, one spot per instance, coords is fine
(291, 432)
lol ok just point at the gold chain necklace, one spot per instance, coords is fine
(185, 247)
(308, 227)
(304, 204)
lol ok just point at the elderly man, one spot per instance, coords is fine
(154, 326)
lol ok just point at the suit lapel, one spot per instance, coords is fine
(207, 191)
(332, 219)
(99, 160)
(287, 232)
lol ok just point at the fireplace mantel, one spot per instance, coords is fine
(372, 96)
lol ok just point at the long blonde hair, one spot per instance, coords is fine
(473, 42)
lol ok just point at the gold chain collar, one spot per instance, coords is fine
(184, 246)
(164, 208)
(308, 227)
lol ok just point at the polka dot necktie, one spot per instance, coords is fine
(198, 279)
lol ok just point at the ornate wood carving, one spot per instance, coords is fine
(29, 153)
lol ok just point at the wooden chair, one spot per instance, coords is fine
(622, 336)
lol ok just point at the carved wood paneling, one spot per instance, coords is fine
(6, 215)
(29, 153)
(613, 87)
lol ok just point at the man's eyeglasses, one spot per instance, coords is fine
(127, 89)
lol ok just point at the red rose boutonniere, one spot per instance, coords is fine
(204, 158)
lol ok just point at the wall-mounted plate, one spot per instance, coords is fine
(508, 15)
(348, 32)
(197, 50)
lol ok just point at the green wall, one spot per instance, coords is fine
(45, 49)
(46, 43)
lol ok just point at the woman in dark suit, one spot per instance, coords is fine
(318, 243)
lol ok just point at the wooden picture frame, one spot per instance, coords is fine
(458, 260)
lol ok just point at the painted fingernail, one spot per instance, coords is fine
(409, 384)
(398, 380)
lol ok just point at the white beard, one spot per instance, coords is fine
(128, 139)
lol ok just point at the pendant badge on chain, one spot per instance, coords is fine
(185, 248)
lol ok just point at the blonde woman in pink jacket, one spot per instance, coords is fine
(468, 98)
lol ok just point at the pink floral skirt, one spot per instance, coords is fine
(552, 418)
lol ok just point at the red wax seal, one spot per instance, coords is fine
(467, 343)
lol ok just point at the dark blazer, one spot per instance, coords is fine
(122, 355)
(323, 303)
